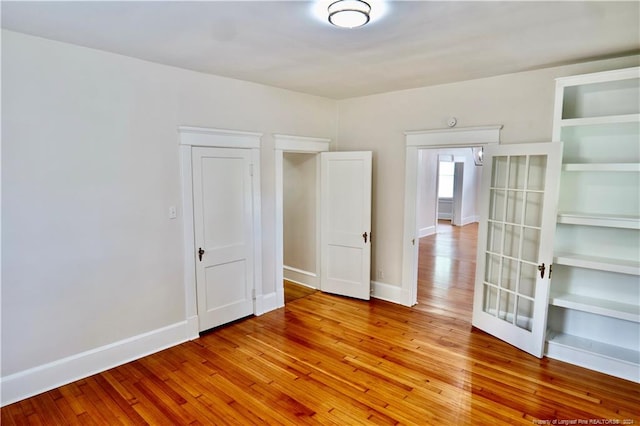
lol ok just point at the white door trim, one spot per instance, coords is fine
(415, 140)
(189, 137)
(299, 144)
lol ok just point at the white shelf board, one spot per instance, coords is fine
(623, 311)
(605, 220)
(620, 266)
(609, 359)
(607, 119)
(601, 167)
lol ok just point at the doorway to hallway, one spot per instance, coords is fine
(446, 271)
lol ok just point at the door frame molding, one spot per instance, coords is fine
(189, 137)
(426, 139)
(302, 145)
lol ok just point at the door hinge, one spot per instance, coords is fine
(253, 294)
(250, 169)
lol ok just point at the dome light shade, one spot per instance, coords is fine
(349, 13)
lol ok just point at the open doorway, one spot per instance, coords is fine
(285, 145)
(299, 210)
(421, 144)
(343, 220)
(447, 189)
(448, 184)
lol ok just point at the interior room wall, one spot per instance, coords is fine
(471, 177)
(427, 191)
(521, 102)
(90, 167)
(299, 213)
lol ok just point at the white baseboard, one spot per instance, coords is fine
(33, 381)
(585, 358)
(426, 231)
(470, 219)
(300, 276)
(391, 293)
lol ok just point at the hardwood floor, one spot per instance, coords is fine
(293, 291)
(446, 270)
(325, 359)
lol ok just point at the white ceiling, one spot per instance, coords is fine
(282, 44)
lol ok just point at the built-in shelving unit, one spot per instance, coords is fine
(594, 307)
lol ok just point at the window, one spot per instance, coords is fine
(445, 179)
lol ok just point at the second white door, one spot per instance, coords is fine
(345, 223)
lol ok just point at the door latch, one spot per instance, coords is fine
(200, 253)
(541, 268)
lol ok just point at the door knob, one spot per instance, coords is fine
(200, 253)
(365, 237)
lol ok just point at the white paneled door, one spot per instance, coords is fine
(515, 242)
(222, 205)
(345, 221)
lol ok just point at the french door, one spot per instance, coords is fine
(345, 223)
(515, 242)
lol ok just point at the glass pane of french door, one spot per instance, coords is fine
(520, 186)
(513, 238)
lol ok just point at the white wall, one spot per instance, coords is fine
(522, 102)
(470, 181)
(90, 167)
(299, 214)
(427, 191)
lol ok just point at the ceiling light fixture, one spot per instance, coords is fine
(349, 13)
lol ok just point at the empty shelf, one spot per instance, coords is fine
(605, 220)
(621, 266)
(601, 167)
(608, 308)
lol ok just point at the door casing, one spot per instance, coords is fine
(217, 138)
(407, 294)
(297, 144)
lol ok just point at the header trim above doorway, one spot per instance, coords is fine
(303, 144)
(218, 138)
(462, 136)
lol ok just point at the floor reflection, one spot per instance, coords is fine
(446, 270)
